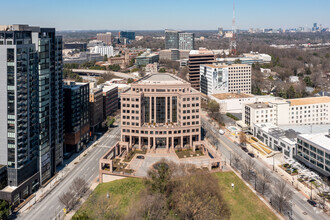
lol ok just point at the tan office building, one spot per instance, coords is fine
(160, 111)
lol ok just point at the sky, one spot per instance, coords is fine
(159, 15)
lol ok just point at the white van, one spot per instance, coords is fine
(222, 132)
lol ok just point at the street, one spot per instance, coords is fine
(87, 168)
(300, 209)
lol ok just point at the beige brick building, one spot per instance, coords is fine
(160, 111)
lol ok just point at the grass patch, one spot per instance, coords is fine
(188, 153)
(243, 203)
(232, 116)
(122, 192)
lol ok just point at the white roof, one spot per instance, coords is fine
(321, 139)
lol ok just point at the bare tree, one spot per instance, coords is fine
(242, 138)
(281, 196)
(68, 199)
(236, 161)
(79, 186)
(263, 181)
(248, 169)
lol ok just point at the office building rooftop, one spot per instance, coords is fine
(309, 101)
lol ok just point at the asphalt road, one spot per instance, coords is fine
(300, 205)
(87, 168)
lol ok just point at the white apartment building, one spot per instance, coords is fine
(314, 151)
(303, 111)
(235, 78)
(103, 50)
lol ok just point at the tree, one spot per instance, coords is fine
(213, 106)
(130, 80)
(200, 198)
(100, 81)
(4, 209)
(158, 179)
(248, 169)
(281, 196)
(79, 186)
(236, 161)
(68, 199)
(291, 93)
(105, 58)
(110, 121)
(263, 181)
(162, 70)
(242, 138)
(151, 207)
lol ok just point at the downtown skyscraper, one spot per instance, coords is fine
(31, 141)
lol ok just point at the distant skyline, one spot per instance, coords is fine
(159, 15)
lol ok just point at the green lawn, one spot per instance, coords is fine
(122, 193)
(243, 203)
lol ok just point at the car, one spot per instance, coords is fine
(140, 157)
(222, 132)
(245, 149)
(312, 202)
(251, 155)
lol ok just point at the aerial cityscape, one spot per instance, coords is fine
(165, 110)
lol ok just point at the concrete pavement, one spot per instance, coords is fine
(88, 168)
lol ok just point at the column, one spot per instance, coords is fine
(167, 144)
(150, 113)
(172, 142)
(182, 142)
(130, 142)
(139, 142)
(166, 121)
(155, 108)
(170, 108)
(149, 139)
(190, 142)
(154, 143)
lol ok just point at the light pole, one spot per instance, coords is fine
(273, 162)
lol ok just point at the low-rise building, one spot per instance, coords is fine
(76, 116)
(247, 58)
(235, 78)
(146, 58)
(276, 138)
(233, 102)
(152, 68)
(314, 151)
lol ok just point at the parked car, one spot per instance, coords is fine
(251, 155)
(222, 132)
(245, 149)
(312, 202)
(140, 157)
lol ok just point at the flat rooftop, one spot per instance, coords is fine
(309, 101)
(108, 88)
(224, 66)
(259, 105)
(320, 139)
(161, 78)
(232, 95)
(306, 129)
